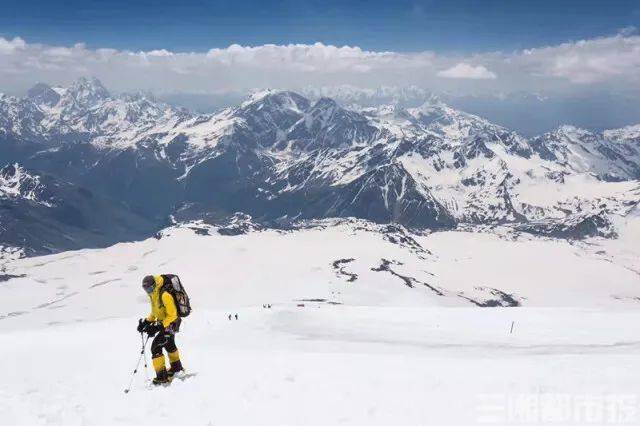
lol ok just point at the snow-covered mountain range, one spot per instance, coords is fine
(282, 158)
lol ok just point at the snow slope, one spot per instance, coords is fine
(333, 365)
(353, 263)
(366, 348)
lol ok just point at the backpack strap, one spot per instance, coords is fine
(166, 282)
(162, 291)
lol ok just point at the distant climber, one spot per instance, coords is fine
(169, 303)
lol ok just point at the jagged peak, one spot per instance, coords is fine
(258, 95)
(571, 132)
(627, 132)
(87, 89)
(84, 88)
(435, 109)
(389, 113)
(90, 81)
(568, 128)
(43, 94)
(278, 98)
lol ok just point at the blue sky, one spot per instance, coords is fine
(400, 25)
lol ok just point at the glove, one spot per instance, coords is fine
(142, 325)
(153, 328)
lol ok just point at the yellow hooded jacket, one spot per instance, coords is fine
(163, 307)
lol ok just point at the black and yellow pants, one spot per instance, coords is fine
(165, 340)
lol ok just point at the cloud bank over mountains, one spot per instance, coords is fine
(608, 62)
(463, 71)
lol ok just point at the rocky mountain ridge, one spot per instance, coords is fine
(280, 157)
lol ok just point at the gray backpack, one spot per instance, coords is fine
(174, 287)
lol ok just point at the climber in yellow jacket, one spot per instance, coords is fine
(165, 322)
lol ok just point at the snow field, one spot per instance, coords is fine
(387, 354)
(321, 365)
(273, 267)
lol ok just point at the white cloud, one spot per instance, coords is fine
(586, 61)
(160, 52)
(466, 71)
(10, 46)
(613, 60)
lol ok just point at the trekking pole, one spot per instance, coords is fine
(142, 355)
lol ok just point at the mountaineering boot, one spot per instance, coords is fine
(162, 377)
(176, 368)
(176, 365)
(161, 372)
